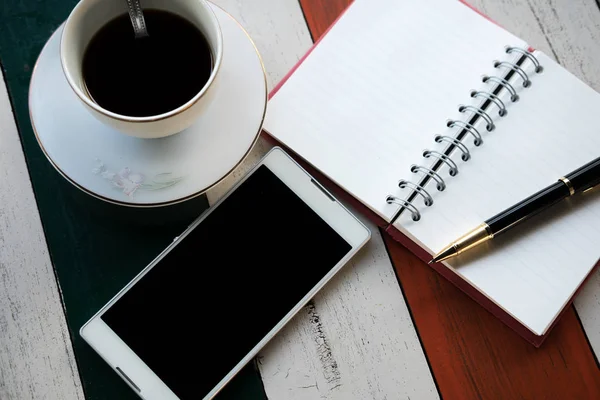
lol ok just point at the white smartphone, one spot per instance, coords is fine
(199, 312)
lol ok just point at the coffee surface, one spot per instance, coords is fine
(147, 76)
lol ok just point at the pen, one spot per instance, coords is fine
(580, 180)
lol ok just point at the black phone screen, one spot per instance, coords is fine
(214, 296)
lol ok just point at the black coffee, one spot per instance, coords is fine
(147, 76)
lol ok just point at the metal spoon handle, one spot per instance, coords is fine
(137, 18)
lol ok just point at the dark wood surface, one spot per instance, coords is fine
(472, 355)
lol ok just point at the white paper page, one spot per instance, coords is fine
(532, 270)
(374, 92)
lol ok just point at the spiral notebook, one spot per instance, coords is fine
(435, 118)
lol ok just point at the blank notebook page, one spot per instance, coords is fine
(379, 86)
(534, 269)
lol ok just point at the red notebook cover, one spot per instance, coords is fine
(398, 236)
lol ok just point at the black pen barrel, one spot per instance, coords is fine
(583, 178)
(586, 176)
(532, 205)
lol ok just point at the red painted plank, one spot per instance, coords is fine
(473, 355)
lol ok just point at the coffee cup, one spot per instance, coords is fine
(87, 19)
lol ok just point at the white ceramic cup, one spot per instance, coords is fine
(89, 16)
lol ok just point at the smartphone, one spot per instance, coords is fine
(199, 312)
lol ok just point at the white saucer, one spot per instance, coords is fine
(151, 172)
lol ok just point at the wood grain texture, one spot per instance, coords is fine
(344, 344)
(566, 30)
(36, 357)
(474, 355)
(587, 305)
(355, 340)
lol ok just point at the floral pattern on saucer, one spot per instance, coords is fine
(130, 182)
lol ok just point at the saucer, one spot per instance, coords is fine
(130, 171)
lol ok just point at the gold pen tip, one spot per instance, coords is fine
(465, 242)
(446, 253)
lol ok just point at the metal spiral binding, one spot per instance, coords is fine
(419, 189)
(517, 69)
(502, 82)
(493, 98)
(466, 154)
(441, 184)
(453, 168)
(416, 215)
(536, 63)
(469, 128)
(490, 122)
(481, 112)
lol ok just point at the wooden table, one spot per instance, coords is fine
(387, 327)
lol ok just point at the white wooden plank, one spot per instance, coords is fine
(36, 357)
(356, 339)
(587, 304)
(569, 32)
(566, 30)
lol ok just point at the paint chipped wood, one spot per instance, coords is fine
(355, 340)
(36, 357)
